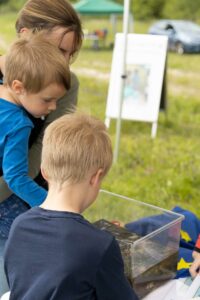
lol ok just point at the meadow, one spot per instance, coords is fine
(164, 171)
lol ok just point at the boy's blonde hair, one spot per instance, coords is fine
(36, 63)
(74, 146)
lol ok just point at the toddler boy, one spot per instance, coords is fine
(36, 76)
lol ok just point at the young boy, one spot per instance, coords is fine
(36, 76)
(53, 252)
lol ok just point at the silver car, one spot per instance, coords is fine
(183, 36)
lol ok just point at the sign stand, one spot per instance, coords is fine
(123, 77)
(138, 98)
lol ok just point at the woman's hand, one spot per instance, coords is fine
(194, 269)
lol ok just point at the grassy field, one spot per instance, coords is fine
(164, 171)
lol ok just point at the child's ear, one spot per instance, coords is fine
(44, 174)
(24, 32)
(18, 87)
(96, 178)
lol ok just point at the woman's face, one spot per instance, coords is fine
(64, 40)
(61, 37)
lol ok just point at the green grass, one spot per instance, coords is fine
(7, 23)
(164, 171)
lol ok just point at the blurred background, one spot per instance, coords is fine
(164, 171)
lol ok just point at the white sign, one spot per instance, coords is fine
(145, 63)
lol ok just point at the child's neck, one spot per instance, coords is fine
(71, 198)
(7, 94)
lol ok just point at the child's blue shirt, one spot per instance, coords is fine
(15, 129)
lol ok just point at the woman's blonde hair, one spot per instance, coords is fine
(36, 63)
(39, 15)
(74, 146)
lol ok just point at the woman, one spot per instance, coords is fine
(58, 22)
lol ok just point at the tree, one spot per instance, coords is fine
(182, 9)
(146, 9)
(14, 5)
(3, 1)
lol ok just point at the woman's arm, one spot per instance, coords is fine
(5, 192)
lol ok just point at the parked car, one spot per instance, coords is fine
(183, 36)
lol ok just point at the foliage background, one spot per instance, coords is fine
(141, 9)
(164, 171)
(146, 9)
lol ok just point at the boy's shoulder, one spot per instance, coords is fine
(22, 217)
(12, 113)
(100, 234)
(73, 223)
(68, 229)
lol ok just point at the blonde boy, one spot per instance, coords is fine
(36, 76)
(68, 257)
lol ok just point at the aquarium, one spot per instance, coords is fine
(148, 237)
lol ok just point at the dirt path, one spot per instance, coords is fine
(92, 73)
(173, 88)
